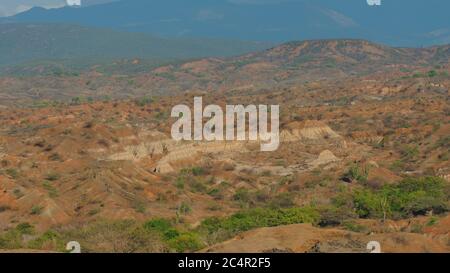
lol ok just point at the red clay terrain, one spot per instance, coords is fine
(106, 172)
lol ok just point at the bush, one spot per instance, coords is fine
(260, 217)
(171, 233)
(352, 226)
(198, 171)
(50, 240)
(410, 197)
(371, 204)
(12, 239)
(189, 177)
(13, 173)
(357, 173)
(335, 216)
(186, 242)
(25, 228)
(242, 195)
(179, 183)
(141, 240)
(124, 236)
(417, 196)
(176, 240)
(158, 224)
(432, 73)
(36, 210)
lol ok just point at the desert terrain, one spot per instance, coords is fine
(364, 155)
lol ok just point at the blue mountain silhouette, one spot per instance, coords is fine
(395, 22)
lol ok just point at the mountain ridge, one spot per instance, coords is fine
(30, 42)
(345, 56)
(419, 24)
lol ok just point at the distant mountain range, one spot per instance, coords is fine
(78, 45)
(412, 23)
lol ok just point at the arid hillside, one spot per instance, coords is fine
(364, 156)
(291, 64)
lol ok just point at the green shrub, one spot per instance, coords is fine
(179, 183)
(186, 242)
(417, 196)
(432, 73)
(158, 224)
(371, 204)
(25, 228)
(50, 240)
(12, 239)
(198, 171)
(335, 216)
(124, 236)
(171, 233)
(352, 226)
(357, 173)
(260, 217)
(13, 173)
(141, 240)
(36, 210)
(242, 195)
(410, 197)
(176, 240)
(432, 221)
